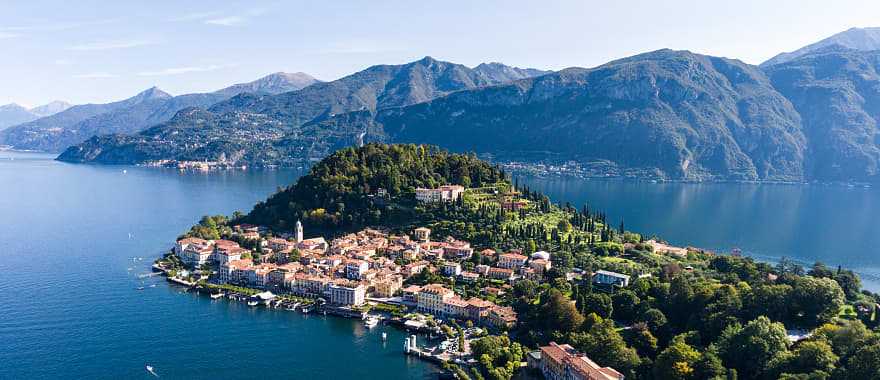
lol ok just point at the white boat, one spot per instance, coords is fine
(384, 336)
(151, 370)
(371, 322)
(253, 303)
(217, 295)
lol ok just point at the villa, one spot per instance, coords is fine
(446, 193)
(562, 362)
(604, 277)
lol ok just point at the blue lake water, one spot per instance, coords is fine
(68, 304)
(71, 236)
(834, 224)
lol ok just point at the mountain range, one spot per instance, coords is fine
(266, 130)
(864, 39)
(810, 115)
(13, 114)
(56, 132)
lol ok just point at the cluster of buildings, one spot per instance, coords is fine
(563, 362)
(349, 269)
(372, 263)
(438, 300)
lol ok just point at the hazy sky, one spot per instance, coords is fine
(91, 51)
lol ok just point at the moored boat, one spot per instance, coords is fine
(371, 322)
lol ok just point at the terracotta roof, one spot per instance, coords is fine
(455, 301)
(478, 302)
(225, 243)
(435, 289)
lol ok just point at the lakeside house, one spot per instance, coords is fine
(347, 293)
(563, 362)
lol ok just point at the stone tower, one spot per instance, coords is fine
(299, 231)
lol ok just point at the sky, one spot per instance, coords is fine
(99, 51)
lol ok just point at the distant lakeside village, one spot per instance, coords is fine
(373, 275)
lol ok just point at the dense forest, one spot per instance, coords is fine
(342, 191)
(696, 316)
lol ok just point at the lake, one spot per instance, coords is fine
(71, 239)
(74, 238)
(834, 224)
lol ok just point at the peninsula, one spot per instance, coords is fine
(517, 285)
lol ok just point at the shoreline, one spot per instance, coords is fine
(216, 168)
(396, 322)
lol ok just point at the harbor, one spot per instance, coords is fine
(417, 332)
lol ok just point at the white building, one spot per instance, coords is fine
(604, 277)
(195, 255)
(446, 193)
(432, 299)
(450, 269)
(355, 269)
(348, 294)
(511, 260)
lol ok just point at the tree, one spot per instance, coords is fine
(640, 338)
(810, 356)
(815, 300)
(498, 356)
(845, 337)
(710, 366)
(677, 362)
(750, 348)
(602, 343)
(849, 282)
(863, 364)
(564, 225)
(820, 270)
(558, 314)
(654, 318)
(626, 305)
(598, 303)
(771, 301)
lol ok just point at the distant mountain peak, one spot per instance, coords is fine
(275, 83)
(51, 108)
(12, 106)
(864, 39)
(500, 72)
(150, 94)
(12, 114)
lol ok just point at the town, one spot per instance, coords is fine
(432, 278)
